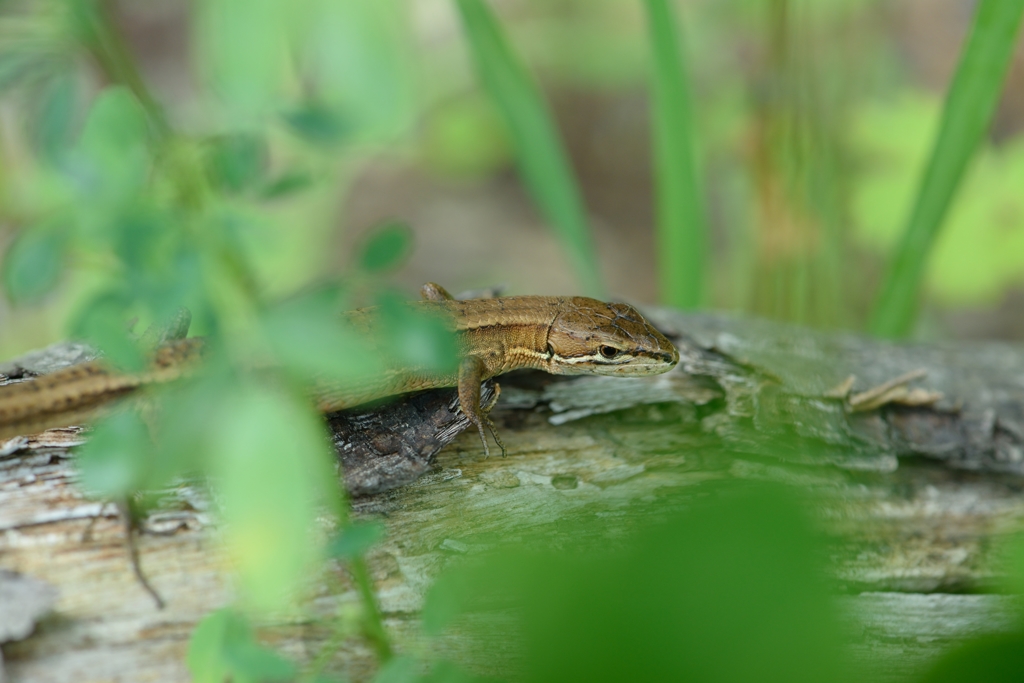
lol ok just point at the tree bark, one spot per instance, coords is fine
(924, 476)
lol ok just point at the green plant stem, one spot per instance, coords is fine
(374, 625)
(681, 239)
(374, 622)
(337, 637)
(111, 53)
(106, 45)
(970, 103)
(108, 48)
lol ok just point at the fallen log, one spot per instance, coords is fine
(921, 454)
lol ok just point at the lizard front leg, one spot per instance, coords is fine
(471, 371)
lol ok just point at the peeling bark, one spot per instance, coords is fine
(919, 495)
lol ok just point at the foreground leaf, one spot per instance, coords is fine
(274, 472)
(33, 264)
(355, 540)
(223, 647)
(385, 247)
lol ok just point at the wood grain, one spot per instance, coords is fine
(918, 501)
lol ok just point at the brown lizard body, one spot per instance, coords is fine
(560, 335)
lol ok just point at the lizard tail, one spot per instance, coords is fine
(75, 394)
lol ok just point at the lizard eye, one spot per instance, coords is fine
(609, 351)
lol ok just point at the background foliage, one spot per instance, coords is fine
(794, 166)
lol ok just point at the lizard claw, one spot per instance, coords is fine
(483, 439)
(497, 440)
(494, 433)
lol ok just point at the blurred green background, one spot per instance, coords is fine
(852, 164)
(811, 125)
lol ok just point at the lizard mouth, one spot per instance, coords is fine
(654, 363)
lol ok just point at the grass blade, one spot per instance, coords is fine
(681, 230)
(543, 163)
(972, 99)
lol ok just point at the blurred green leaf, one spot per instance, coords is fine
(103, 322)
(542, 159)
(205, 647)
(33, 264)
(385, 247)
(972, 98)
(258, 663)
(142, 236)
(17, 66)
(33, 46)
(1013, 564)
(286, 184)
(681, 248)
(356, 54)
(355, 539)
(242, 46)
(318, 124)
(111, 161)
(447, 598)
(990, 658)
(51, 126)
(417, 337)
(275, 473)
(237, 162)
(116, 126)
(115, 460)
(728, 586)
(309, 337)
(403, 669)
(188, 419)
(169, 277)
(449, 672)
(223, 647)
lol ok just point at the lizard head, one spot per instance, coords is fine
(590, 337)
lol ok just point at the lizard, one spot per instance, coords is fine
(559, 335)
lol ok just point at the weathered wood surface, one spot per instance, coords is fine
(901, 633)
(915, 509)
